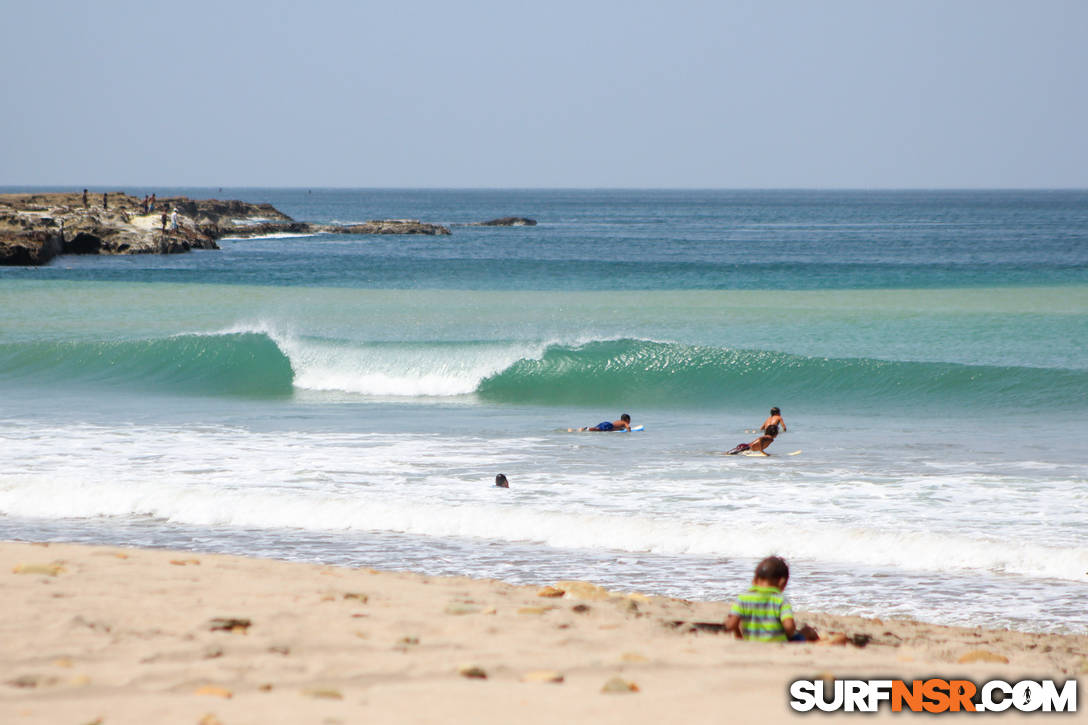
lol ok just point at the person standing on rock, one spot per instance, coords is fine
(84, 198)
(164, 222)
(173, 220)
(151, 207)
(105, 201)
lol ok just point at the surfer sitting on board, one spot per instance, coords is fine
(774, 419)
(759, 445)
(624, 423)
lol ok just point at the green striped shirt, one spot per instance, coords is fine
(761, 611)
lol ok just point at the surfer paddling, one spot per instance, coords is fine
(607, 426)
(759, 445)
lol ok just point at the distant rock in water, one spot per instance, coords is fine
(34, 228)
(507, 221)
(383, 226)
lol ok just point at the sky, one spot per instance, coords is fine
(719, 94)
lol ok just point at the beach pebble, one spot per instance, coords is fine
(472, 672)
(30, 681)
(214, 691)
(583, 590)
(323, 694)
(550, 592)
(235, 625)
(44, 569)
(619, 685)
(361, 598)
(633, 657)
(534, 610)
(96, 626)
(542, 676)
(461, 608)
(185, 562)
(210, 719)
(982, 655)
(580, 608)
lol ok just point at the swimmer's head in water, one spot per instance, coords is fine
(625, 418)
(501, 482)
(772, 430)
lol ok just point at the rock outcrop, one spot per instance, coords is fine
(506, 221)
(383, 226)
(36, 227)
(28, 248)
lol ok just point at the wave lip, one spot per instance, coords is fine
(634, 371)
(261, 361)
(229, 363)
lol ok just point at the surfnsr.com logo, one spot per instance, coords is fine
(933, 695)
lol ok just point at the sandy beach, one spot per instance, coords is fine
(110, 635)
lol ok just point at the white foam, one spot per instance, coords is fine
(436, 485)
(274, 235)
(281, 507)
(391, 369)
(398, 370)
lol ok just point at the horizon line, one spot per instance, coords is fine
(120, 187)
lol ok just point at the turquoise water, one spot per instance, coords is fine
(350, 399)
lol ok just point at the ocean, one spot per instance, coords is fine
(350, 399)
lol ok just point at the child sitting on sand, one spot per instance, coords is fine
(763, 613)
(759, 445)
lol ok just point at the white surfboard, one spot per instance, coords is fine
(761, 454)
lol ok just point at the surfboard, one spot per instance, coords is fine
(636, 429)
(761, 454)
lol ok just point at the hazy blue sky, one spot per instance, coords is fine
(952, 93)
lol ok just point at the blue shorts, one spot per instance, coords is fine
(606, 425)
